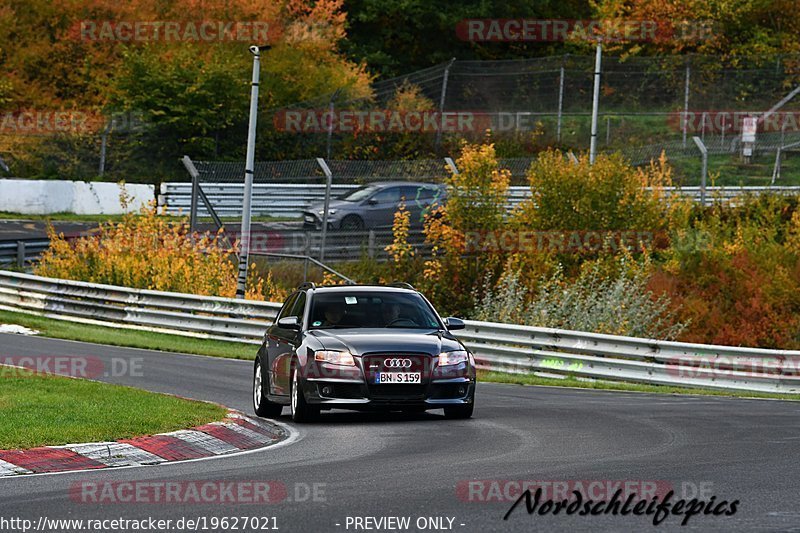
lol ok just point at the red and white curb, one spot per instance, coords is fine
(235, 434)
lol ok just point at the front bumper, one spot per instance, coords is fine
(355, 388)
(313, 222)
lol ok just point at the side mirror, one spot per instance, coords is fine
(372, 201)
(454, 323)
(289, 322)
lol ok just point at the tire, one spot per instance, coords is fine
(351, 223)
(301, 410)
(458, 412)
(261, 404)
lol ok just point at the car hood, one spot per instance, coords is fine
(361, 341)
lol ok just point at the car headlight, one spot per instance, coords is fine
(330, 212)
(453, 358)
(334, 357)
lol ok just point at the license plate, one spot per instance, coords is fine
(398, 377)
(309, 218)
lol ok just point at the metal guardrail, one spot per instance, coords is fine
(192, 315)
(289, 200)
(502, 347)
(22, 252)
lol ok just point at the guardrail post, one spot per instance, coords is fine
(21, 254)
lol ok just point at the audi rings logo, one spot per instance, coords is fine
(397, 363)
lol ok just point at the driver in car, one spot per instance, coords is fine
(390, 312)
(334, 313)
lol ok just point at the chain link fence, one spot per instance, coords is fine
(647, 105)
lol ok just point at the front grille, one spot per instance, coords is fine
(397, 392)
(377, 363)
(374, 363)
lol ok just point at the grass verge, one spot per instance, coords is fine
(41, 410)
(132, 338)
(531, 379)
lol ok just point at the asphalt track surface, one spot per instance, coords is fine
(371, 465)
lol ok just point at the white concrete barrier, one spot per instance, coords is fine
(43, 197)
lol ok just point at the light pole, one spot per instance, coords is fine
(244, 240)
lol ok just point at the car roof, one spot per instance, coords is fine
(362, 288)
(399, 182)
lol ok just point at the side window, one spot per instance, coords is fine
(299, 306)
(390, 195)
(410, 193)
(287, 308)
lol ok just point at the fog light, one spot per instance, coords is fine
(462, 391)
(327, 390)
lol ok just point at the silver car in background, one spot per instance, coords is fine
(374, 205)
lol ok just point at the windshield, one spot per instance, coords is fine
(377, 309)
(362, 193)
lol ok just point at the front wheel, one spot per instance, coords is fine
(459, 411)
(301, 410)
(352, 223)
(263, 407)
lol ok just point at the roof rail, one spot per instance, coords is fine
(307, 285)
(402, 285)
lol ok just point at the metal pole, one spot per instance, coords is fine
(442, 99)
(187, 162)
(608, 130)
(704, 151)
(331, 107)
(560, 102)
(703, 134)
(452, 165)
(103, 143)
(686, 103)
(595, 103)
(249, 169)
(328, 179)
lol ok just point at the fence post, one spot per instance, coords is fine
(21, 254)
(560, 102)
(328, 178)
(371, 244)
(441, 101)
(103, 143)
(595, 102)
(704, 151)
(331, 107)
(450, 163)
(187, 162)
(686, 103)
(608, 130)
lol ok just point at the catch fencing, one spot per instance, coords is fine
(497, 347)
